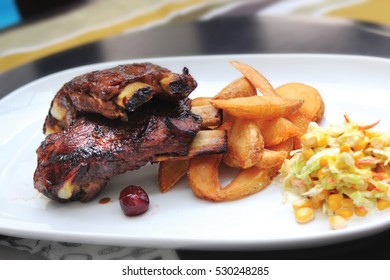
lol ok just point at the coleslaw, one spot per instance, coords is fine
(349, 160)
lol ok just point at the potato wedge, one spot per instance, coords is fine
(262, 131)
(200, 101)
(245, 144)
(204, 180)
(203, 177)
(170, 172)
(302, 122)
(227, 125)
(249, 181)
(313, 107)
(258, 107)
(286, 146)
(271, 159)
(257, 79)
(276, 131)
(240, 87)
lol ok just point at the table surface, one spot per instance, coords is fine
(230, 35)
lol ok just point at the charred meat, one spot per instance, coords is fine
(114, 92)
(75, 164)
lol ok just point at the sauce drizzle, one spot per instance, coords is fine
(104, 200)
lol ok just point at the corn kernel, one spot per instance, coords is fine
(307, 153)
(301, 203)
(347, 203)
(318, 199)
(304, 215)
(345, 148)
(361, 145)
(337, 222)
(383, 204)
(309, 140)
(316, 202)
(344, 212)
(321, 173)
(334, 201)
(324, 161)
(358, 155)
(360, 211)
(323, 195)
(322, 141)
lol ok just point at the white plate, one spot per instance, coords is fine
(355, 85)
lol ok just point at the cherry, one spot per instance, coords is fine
(133, 200)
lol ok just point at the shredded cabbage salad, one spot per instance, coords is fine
(347, 159)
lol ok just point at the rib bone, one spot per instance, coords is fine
(206, 142)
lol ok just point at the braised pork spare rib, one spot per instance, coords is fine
(77, 163)
(115, 91)
(111, 121)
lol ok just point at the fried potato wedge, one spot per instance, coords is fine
(313, 107)
(249, 181)
(240, 87)
(204, 180)
(258, 107)
(276, 131)
(170, 172)
(226, 125)
(200, 101)
(271, 159)
(302, 122)
(257, 79)
(245, 144)
(203, 177)
(286, 146)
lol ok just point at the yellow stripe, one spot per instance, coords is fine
(14, 60)
(375, 11)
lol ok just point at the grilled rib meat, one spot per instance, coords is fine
(76, 164)
(115, 91)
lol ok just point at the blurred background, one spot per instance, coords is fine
(33, 29)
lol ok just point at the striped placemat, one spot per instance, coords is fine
(97, 19)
